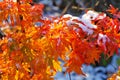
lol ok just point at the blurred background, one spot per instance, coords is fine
(75, 7)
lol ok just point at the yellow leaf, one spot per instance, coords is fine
(48, 70)
(26, 66)
(21, 75)
(17, 74)
(57, 66)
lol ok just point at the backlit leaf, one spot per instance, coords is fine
(57, 66)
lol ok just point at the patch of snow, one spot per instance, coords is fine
(87, 18)
(101, 16)
(88, 23)
(90, 15)
(66, 16)
(102, 37)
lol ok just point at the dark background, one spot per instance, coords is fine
(77, 7)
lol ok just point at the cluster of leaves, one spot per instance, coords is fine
(30, 51)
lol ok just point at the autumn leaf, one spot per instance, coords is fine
(57, 66)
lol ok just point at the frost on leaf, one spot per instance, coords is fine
(31, 52)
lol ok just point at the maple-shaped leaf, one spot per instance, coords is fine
(114, 11)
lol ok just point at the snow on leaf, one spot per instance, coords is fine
(102, 38)
(85, 22)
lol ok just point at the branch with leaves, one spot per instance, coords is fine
(31, 51)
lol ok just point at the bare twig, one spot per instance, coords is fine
(66, 8)
(75, 7)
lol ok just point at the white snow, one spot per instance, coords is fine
(86, 29)
(66, 16)
(90, 15)
(101, 16)
(86, 19)
(103, 38)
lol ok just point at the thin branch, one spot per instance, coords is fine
(66, 8)
(78, 8)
